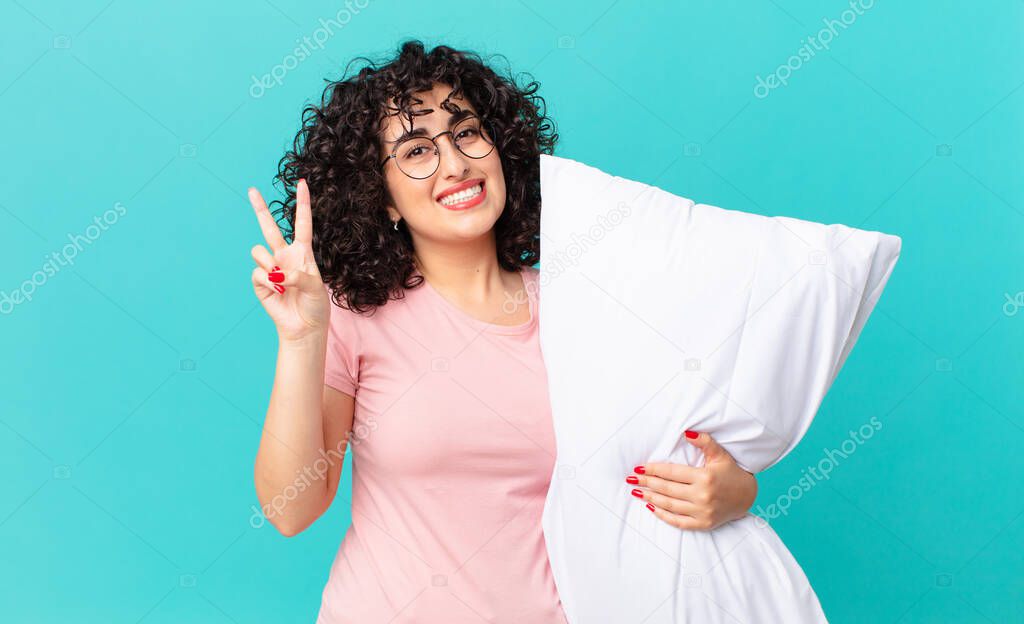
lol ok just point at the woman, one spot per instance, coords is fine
(413, 207)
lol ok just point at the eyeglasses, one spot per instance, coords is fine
(419, 157)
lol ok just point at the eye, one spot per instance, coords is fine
(416, 151)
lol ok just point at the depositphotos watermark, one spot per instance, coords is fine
(310, 474)
(314, 41)
(60, 259)
(814, 43)
(822, 471)
(1013, 303)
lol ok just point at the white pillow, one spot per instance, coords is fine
(660, 315)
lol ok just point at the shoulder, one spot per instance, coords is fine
(378, 318)
(343, 323)
(531, 280)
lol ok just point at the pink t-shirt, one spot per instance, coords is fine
(453, 449)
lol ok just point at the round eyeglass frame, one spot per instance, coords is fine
(437, 148)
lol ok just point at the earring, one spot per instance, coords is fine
(396, 223)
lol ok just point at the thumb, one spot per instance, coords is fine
(713, 451)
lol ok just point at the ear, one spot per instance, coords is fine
(389, 205)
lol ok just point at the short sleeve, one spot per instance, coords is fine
(341, 370)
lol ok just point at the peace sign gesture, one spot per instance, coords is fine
(287, 281)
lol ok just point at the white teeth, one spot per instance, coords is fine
(462, 195)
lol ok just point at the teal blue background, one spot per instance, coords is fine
(135, 381)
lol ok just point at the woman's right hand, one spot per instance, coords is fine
(287, 281)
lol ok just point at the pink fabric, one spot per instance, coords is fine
(453, 450)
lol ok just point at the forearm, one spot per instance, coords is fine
(293, 437)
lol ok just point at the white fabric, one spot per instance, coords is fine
(660, 315)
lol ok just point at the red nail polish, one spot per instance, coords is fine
(650, 506)
(692, 434)
(639, 470)
(277, 268)
(638, 493)
(276, 277)
(279, 288)
(632, 480)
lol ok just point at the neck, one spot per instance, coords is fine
(470, 269)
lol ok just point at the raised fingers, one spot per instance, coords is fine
(271, 232)
(303, 213)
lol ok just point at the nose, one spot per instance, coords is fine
(454, 164)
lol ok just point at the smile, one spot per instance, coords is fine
(466, 198)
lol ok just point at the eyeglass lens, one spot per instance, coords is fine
(419, 157)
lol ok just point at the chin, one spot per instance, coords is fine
(474, 227)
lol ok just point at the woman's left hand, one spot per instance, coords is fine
(695, 498)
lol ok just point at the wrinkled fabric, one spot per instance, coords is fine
(659, 315)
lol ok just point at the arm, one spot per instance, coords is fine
(305, 420)
(298, 465)
(695, 498)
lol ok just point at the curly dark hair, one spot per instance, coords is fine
(337, 150)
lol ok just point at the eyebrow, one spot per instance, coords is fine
(421, 131)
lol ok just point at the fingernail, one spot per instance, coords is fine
(639, 470)
(276, 277)
(277, 268)
(638, 493)
(279, 288)
(650, 506)
(692, 434)
(633, 480)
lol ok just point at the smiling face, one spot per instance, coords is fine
(432, 207)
